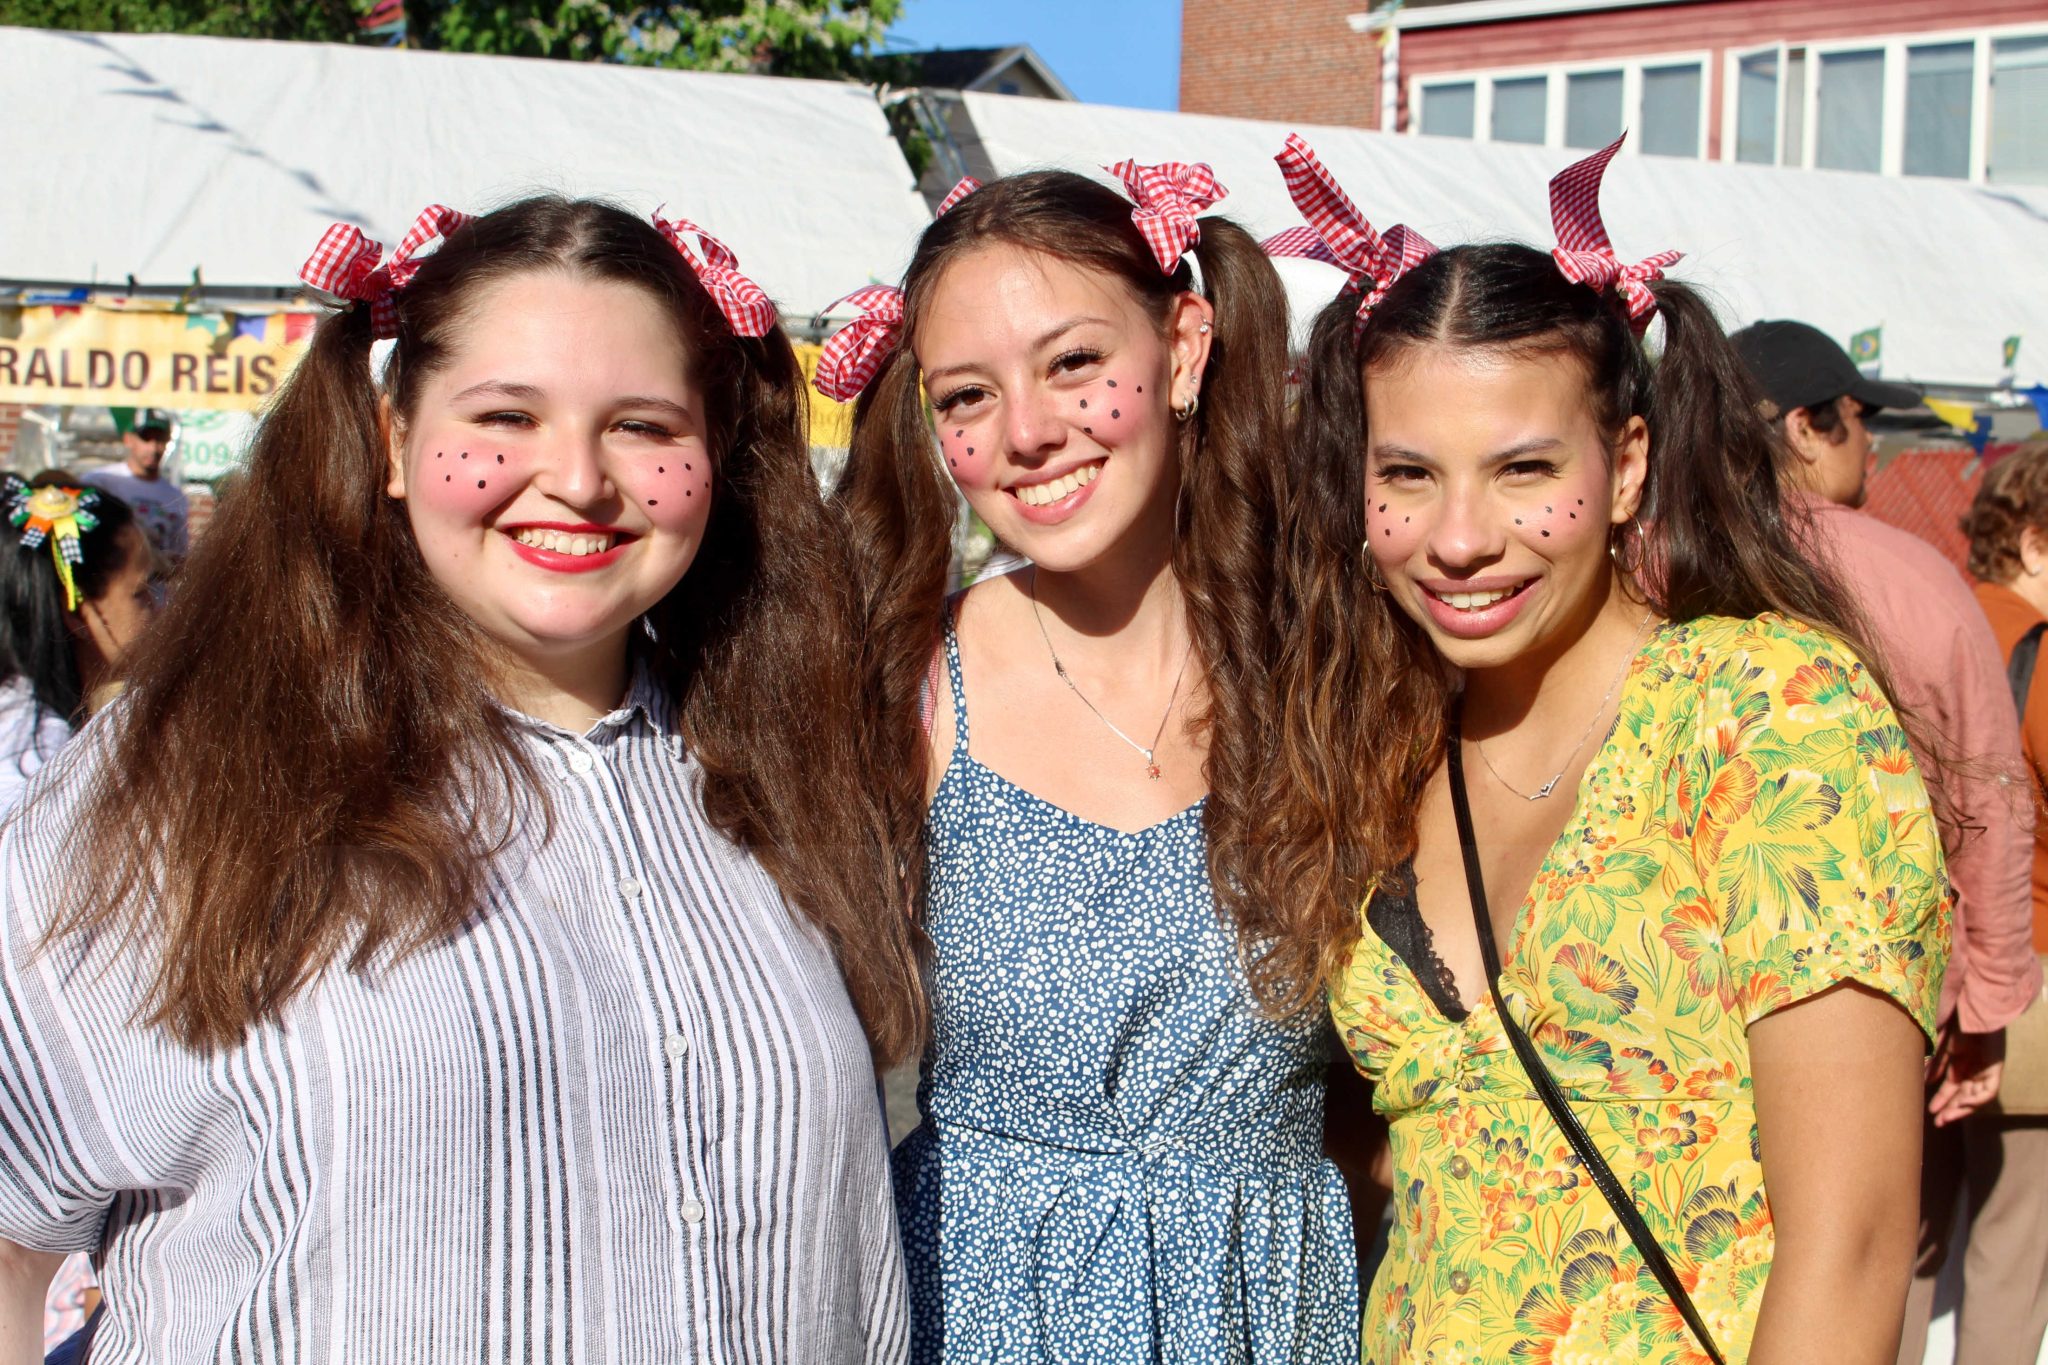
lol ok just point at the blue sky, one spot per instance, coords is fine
(1107, 51)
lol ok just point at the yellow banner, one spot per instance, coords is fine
(831, 422)
(86, 355)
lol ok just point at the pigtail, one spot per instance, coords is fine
(1226, 548)
(895, 508)
(1714, 456)
(1332, 809)
(282, 770)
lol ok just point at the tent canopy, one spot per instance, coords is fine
(158, 155)
(1949, 270)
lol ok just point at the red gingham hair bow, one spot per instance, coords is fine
(1339, 234)
(347, 264)
(853, 354)
(750, 311)
(1584, 253)
(1168, 198)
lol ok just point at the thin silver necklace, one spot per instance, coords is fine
(1548, 787)
(1151, 763)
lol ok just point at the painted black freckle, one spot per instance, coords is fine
(1141, 388)
(1114, 413)
(1546, 533)
(688, 465)
(447, 478)
(1406, 520)
(686, 492)
(654, 502)
(1582, 502)
(1518, 521)
(439, 453)
(661, 469)
(953, 464)
(479, 483)
(1112, 383)
(1084, 402)
(1547, 509)
(1575, 516)
(1090, 431)
(1383, 507)
(465, 454)
(970, 450)
(501, 459)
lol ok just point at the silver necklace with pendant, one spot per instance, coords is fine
(1548, 787)
(1144, 751)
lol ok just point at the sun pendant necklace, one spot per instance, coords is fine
(1151, 763)
(1548, 787)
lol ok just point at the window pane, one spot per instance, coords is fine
(1518, 108)
(1756, 108)
(1938, 109)
(2019, 111)
(1849, 127)
(1795, 107)
(1592, 108)
(1447, 110)
(1671, 110)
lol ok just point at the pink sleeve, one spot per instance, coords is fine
(1994, 973)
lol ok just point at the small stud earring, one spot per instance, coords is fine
(1205, 329)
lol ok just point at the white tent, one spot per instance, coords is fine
(1949, 270)
(156, 155)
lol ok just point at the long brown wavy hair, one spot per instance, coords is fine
(900, 503)
(1363, 692)
(310, 765)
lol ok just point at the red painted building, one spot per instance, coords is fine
(1889, 86)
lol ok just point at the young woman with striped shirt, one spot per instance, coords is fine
(437, 953)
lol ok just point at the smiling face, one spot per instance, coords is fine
(556, 469)
(1052, 390)
(1490, 492)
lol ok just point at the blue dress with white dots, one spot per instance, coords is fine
(1121, 1158)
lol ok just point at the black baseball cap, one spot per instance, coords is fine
(1798, 366)
(151, 419)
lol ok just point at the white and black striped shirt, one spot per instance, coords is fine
(627, 1116)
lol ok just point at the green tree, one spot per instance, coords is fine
(821, 38)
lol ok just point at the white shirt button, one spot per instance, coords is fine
(693, 1212)
(675, 1045)
(580, 762)
(630, 889)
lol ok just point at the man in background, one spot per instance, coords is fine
(139, 481)
(1950, 676)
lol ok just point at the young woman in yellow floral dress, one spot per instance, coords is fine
(1583, 654)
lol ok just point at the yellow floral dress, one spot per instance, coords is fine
(1752, 832)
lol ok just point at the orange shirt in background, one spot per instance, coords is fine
(2012, 616)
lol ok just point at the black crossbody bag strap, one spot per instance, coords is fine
(2019, 669)
(1617, 1196)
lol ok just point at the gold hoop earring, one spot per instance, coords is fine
(1187, 410)
(1633, 565)
(1372, 568)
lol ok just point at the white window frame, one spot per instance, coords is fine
(1892, 137)
(1555, 73)
(1731, 91)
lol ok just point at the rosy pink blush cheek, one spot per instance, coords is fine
(970, 459)
(1113, 412)
(675, 488)
(1394, 535)
(1560, 520)
(467, 482)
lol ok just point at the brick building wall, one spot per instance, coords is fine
(1301, 63)
(1296, 62)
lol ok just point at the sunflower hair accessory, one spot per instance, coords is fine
(57, 515)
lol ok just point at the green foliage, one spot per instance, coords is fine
(819, 38)
(310, 20)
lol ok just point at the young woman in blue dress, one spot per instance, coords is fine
(1121, 1154)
